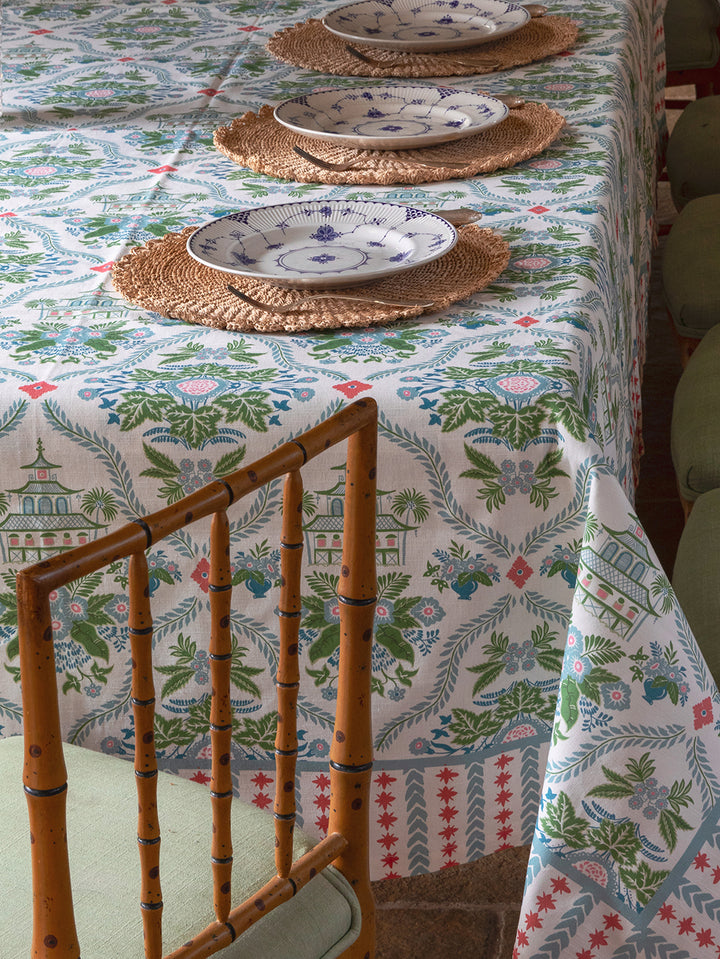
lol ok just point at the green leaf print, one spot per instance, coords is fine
(618, 840)
(644, 881)
(561, 822)
(86, 634)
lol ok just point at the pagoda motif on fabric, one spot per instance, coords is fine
(611, 579)
(324, 531)
(44, 522)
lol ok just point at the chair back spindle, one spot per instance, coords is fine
(288, 672)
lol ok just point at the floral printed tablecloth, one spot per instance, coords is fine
(512, 566)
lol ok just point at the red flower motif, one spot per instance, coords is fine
(701, 861)
(520, 572)
(261, 780)
(598, 938)
(262, 800)
(382, 780)
(103, 268)
(384, 799)
(446, 774)
(209, 91)
(526, 321)
(545, 902)
(352, 388)
(686, 926)
(705, 938)
(561, 885)
(387, 840)
(666, 912)
(533, 921)
(35, 390)
(248, 29)
(322, 781)
(322, 822)
(39, 33)
(538, 209)
(703, 713)
(200, 777)
(503, 760)
(202, 574)
(7, 214)
(163, 169)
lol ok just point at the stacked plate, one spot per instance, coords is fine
(322, 243)
(425, 25)
(388, 118)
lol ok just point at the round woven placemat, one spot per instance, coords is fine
(310, 45)
(257, 141)
(162, 276)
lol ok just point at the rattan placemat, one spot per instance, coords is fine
(162, 276)
(257, 141)
(310, 45)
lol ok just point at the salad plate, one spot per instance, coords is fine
(389, 118)
(322, 243)
(425, 25)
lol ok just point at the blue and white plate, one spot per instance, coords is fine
(425, 24)
(388, 118)
(322, 243)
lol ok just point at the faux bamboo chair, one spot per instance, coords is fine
(332, 913)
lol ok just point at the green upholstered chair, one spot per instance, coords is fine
(696, 576)
(692, 47)
(120, 859)
(693, 153)
(691, 272)
(695, 426)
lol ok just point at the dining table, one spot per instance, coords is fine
(535, 681)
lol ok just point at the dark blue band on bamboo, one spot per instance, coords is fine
(343, 768)
(289, 615)
(290, 545)
(293, 884)
(287, 685)
(286, 752)
(217, 728)
(142, 702)
(140, 632)
(219, 589)
(357, 602)
(233, 934)
(146, 774)
(301, 448)
(224, 795)
(146, 529)
(229, 488)
(151, 905)
(149, 842)
(221, 862)
(55, 791)
(220, 657)
(284, 817)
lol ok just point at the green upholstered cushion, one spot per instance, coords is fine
(693, 154)
(691, 40)
(695, 427)
(321, 921)
(696, 576)
(690, 269)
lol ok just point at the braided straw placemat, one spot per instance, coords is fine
(309, 44)
(162, 276)
(257, 141)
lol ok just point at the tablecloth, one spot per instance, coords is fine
(534, 677)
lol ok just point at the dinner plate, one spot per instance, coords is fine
(322, 243)
(425, 24)
(388, 118)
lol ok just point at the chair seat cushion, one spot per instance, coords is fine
(695, 426)
(693, 153)
(691, 40)
(690, 274)
(696, 576)
(322, 920)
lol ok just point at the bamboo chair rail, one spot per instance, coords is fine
(45, 776)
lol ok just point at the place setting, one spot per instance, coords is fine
(388, 134)
(424, 38)
(320, 264)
